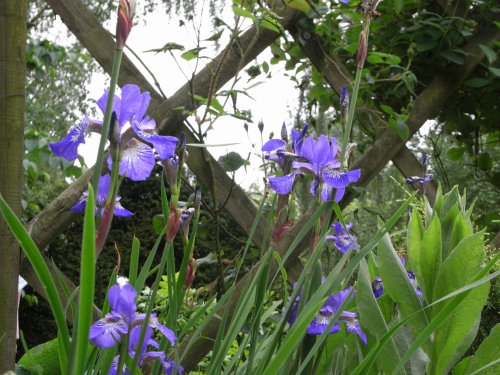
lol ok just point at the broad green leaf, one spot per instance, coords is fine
(430, 257)
(372, 318)
(477, 82)
(243, 13)
(232, 161)
(398, 5)
(192, 53)
(488, 353)
(489, 53)
(383, 58)
(485, 162)
(455, 153)
(398, 285)
(458, 269)
(415, 235)
(461, 229)
(42, 359)
(301, 5)
(453, 57)
(495, 71)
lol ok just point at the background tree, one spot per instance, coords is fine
(13, 16)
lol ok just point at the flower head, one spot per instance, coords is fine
(318, 157)
(102, 195)
(343, 240)
(126, 12)
(136, 136)
(377, 287)
(324, 316)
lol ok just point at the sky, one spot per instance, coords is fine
(272, 100)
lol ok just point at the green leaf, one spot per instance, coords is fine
(477, 82)
(192, 53)
(455, 153)
(458, 269)
(383, 58)
(415, 234)
(487, 354)
(42, 359)
(398, 5)
(168, 47)
(398, 285)
(485, 162)
(232, 161)
(301, 5)
(387, 109)
(489, 53)
(372, 318)
(430, 257)
(495, 71)
(243, 13)
(454, 57)
(87, 282)
(426, 45)
(42, 271)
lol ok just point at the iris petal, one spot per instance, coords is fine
(68, 146)
(137, 161)
(165, 145)
(273, 144)
(106, 332)
(282, 184)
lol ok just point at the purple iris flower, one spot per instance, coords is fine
(411, 276)
(108, 331)
(377, 287)
(137, 134)
(279, 150)
(344, 241)
(421, 180)
(324, 316)
(145, 355)
(318, 157)
(102, 195)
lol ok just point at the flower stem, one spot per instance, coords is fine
(152, 298)
(107, 117)
(350, 118)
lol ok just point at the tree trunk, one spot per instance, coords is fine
(13, 19)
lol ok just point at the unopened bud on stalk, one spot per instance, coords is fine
(362, 49)
(171, 166)
(344, 97)
(126, 12)
(284, 133)
(245, 126)
(197, 197)
(260, 125)
(190, 272)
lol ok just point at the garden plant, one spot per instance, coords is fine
(305, 293)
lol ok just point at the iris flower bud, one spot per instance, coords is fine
(126, 12)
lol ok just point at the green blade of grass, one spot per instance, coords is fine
(87, 281)
(36, 259)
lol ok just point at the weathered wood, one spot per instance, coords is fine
(13, 29)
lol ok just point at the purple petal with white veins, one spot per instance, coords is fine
(326, 193)
(103, 189)
(320, 324)
(80, 205)
(168, 366)
(273, 144)
(168, 333)
(282, 184)
(164, 144)
(122, 299)
(137, 162)
(335, 178)
(107, 332)
(352, 325)
(68, 146)
(121, 211)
